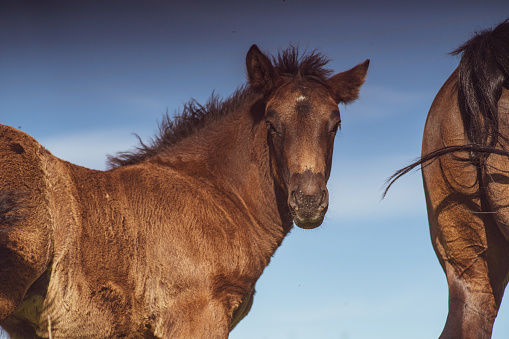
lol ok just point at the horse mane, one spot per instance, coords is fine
(482, 73)
(195, 116)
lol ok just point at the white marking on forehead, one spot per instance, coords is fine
(301, 98)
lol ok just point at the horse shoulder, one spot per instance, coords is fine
(200, 246)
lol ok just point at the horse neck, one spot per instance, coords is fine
(233, 154)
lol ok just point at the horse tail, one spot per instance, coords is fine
(430, 157)
(482, 73)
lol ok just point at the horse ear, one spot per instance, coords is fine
(345, 86)
(261, 73)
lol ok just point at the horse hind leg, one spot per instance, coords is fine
(23, 251)
(25, 226)
(475, 294)
(10, 214)
(473, 254)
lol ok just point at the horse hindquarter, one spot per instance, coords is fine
(25, 226)
(495, 180)
(467, 242)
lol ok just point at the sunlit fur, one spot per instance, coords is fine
(170, 241)
(465, 170)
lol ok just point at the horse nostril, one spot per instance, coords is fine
(324, 201)
(293, 201)
(308, 201)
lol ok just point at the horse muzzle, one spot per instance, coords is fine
(308, 199)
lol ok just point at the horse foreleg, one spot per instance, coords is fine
(242, 310)
(196, 316)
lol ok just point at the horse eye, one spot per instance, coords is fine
(272, 129)
(335, 119)
(336, 127)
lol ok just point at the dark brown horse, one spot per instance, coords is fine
(170, 241)
(465, 168)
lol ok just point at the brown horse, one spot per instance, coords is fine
(170, 241)
(465, 170)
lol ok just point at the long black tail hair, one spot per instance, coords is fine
(482, 73)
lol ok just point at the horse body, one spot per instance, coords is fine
(171, 240)
(465, 174)
(465, 223)
(101, 221)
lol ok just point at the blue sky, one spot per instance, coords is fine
(83, 76)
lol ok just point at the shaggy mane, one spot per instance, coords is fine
(195, 116)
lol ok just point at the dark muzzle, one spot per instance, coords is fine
(308, 199)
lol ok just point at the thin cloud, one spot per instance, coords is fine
(89, 149)
(357, 191)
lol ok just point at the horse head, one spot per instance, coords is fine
(302, 117)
